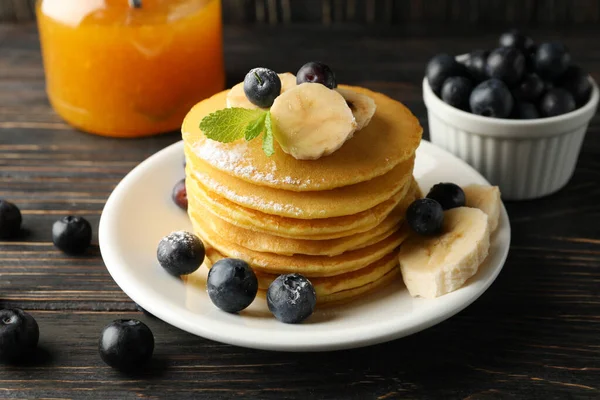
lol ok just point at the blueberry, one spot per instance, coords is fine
(262, 86)
(231, 284)
(529, 89)
(72, 235)
(440, 68)
(556, 101)
(525, 110)
(456, 91)
(180, 253)
(475, 64)
(551, 60)
(126, 344)
(517, 39)
(576, 81)
(291, 298)
(425, 216)
(506, 64)
(491, 98)
(19, 334)
(449, 195)
(530, 58)
(316, 72)
(179, 195)
(10, 220)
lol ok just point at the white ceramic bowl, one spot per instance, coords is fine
(527, 159)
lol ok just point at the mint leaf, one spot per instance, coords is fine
(254, 128)
(267, 144)
(229, 124)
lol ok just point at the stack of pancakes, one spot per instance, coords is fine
(337, 220)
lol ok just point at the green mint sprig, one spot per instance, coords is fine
(235, 123)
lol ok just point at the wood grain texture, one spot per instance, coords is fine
(390, 12)
(532, 335)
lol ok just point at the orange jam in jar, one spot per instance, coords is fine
(130, 68)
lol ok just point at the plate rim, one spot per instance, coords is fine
(386, 331)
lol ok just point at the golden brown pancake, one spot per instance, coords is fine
(345, 200)
(310, 266)
(264, 242)
(309, 229)
(391, 137)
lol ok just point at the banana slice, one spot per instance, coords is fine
(434, 266)
(363, 107)
(237, 98)
(311, 121)
(487, 199)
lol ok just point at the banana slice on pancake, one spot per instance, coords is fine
(311, 121)
(434, 266)
(363, 107)
(237, 98)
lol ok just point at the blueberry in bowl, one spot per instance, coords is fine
(506, 64)
(440, 68)
(491, 98)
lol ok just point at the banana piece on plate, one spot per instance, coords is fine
(237, 98)
(487, 199)
(434, 266)
(311, 121)
(363, 107)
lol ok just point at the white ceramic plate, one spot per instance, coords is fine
(140, 212)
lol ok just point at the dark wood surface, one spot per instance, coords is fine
(535, 334)
(389, 12)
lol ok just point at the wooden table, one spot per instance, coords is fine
(534, 334)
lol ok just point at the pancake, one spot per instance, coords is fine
(391, 137)
(310, 229)
(310, 266)
(346, 296)
(326, 287)
(264, 242)
(345, 200)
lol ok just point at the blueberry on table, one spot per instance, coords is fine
(316, 72)
(262, 86)
(10, 220)
(576, 81)
(19, 334)
(506, 64)
(291, 298)
(425, 216)
(180, 253)
(440, 68)
(517, 39)
(456, 91)
(475, 64)
(231, 285)
(525, 110)
(72, 235)
(449, 195)
(551, 60)
(529, 89)
(555, 102)
(179, 195)
(126, 344)
(491, 98)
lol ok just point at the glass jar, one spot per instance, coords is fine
(130, 68)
